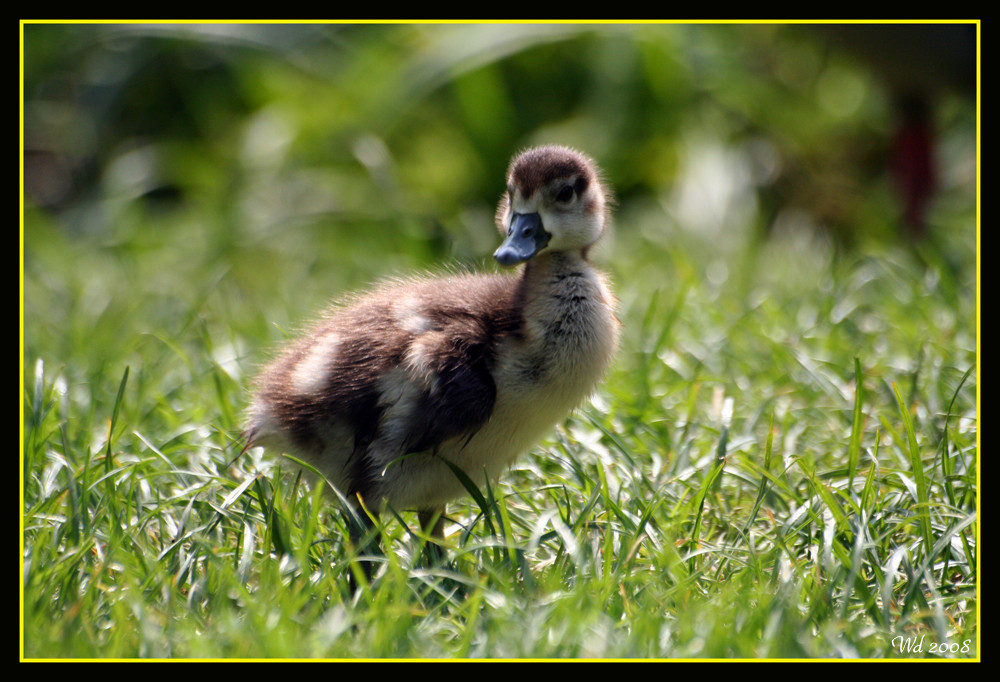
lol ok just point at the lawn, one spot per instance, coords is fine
(782, 462)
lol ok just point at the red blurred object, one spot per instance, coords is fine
(912, 164)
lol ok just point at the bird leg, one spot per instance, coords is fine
(432, 522)
(364, 540)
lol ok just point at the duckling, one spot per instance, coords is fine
(468, 368)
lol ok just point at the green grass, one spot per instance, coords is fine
(771, 470)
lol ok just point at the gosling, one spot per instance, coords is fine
(391, 386)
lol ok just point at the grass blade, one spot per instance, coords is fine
(922, 502)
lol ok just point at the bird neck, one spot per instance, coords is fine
(545, 266)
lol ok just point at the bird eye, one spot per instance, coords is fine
(565, 194)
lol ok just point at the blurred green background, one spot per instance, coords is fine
(285, 163)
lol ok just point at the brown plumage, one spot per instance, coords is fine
(472, 368)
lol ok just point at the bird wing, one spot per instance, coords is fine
(461, 397)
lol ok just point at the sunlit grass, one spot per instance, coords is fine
(767, 472)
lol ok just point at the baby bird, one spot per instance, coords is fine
(469, 369)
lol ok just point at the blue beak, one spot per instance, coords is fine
(525, 238)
